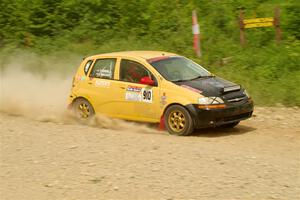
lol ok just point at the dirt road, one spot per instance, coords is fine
(44, 159)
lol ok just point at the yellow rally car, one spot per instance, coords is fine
(157, 87)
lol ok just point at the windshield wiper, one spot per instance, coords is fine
(200, 76)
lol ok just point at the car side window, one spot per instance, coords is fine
(131, 71)
(103, 68)
(87, 66)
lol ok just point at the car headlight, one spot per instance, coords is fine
(210, 100)
(246, 93)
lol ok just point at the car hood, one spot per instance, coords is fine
(210, 86)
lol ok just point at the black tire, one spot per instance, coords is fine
(83, 110)
(178, 121)
(230, 125)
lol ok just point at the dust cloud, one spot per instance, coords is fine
(34, 94)
(42, 95)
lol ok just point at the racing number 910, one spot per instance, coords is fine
(147, 95)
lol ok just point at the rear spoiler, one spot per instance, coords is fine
(231, 88)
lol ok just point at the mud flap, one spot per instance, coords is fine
(70, 106)
(161, 125)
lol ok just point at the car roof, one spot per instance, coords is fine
(135, 54)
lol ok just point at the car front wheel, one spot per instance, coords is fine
(178, 121)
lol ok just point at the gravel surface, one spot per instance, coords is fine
(57, 159)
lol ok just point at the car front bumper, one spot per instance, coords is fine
(215, 117)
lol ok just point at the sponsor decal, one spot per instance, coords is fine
(152, 60)
(101, 83)
(105, 73)
(135, 93)
(156, 59)
(134, 89)
(163, 100)
(132, 96)
(78, 77)
(191, 88)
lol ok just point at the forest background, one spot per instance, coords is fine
(54, 35)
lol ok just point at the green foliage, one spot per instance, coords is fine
(62, 27)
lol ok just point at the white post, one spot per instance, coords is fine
(196, 33)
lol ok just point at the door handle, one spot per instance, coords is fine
(122, 87)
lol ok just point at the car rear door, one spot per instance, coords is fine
(101, 87)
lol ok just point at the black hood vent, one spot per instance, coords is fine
(231, 88)
(211, 86)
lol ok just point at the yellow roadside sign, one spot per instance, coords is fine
(254, 25)
(258, 20)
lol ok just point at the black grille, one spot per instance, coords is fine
(234, 97)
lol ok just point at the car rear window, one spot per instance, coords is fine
(103, 68)
(87, 66)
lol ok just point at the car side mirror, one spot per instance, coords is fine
(147, 81)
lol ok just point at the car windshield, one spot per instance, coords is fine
(176, 68)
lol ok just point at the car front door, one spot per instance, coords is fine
(138, 101)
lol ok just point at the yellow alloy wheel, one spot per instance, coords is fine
(177, 121)
(83, 110)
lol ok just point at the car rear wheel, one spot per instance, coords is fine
(230, 125)
(178, 121)
(83, 110)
